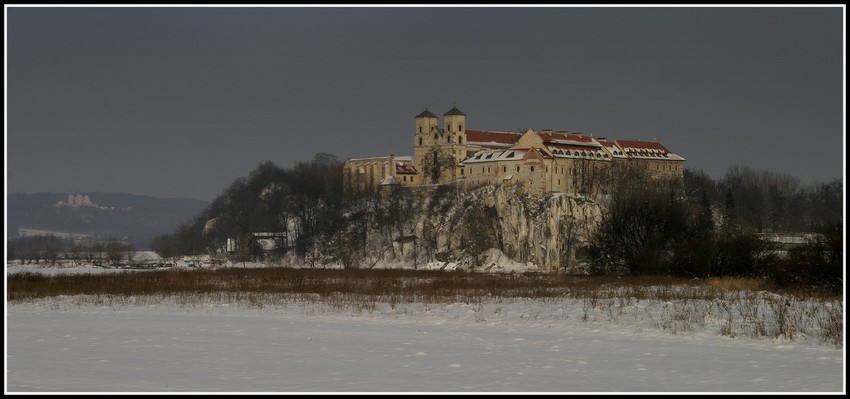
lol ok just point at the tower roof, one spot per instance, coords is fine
(454, 111)
(426, 114)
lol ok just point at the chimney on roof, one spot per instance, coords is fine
(602, 139)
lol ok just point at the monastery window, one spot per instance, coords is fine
(547, 169)
(532, 168)
(420, 141)
(461, 171)
(420, 129)
(448, 127)
(504, 169)
(517, 168)
(488, 169)
(460, 139)
(435, 136)
(459, 127)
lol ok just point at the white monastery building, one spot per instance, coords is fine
(540, 162)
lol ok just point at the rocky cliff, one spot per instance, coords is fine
(471, 229)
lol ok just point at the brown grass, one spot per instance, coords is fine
(404, 284)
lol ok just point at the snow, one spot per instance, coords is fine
(220, 344)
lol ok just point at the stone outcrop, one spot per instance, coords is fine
(462, 226)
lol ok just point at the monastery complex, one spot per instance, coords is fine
(541, 162)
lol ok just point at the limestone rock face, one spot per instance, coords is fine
(447, 226)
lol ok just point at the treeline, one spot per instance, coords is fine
(51, 249)
(768, 202)
(301, 204)
(705, 228)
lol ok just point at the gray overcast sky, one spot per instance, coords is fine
(179, 102)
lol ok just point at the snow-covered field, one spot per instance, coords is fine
(155, 344)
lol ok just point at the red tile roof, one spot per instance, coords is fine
(477, 136)
(549, 137)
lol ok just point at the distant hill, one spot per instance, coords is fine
(137, 218)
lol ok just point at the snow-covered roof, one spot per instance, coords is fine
(388, 181)
(369, 159)
(405, 168)
(578, 152)
(496, 155)
(612, 149)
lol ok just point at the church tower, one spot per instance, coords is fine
(455, 122)
(426, 136)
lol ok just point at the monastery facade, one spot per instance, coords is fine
(541, 162)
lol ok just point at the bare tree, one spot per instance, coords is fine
(437, 164)
(568, 233)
